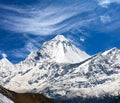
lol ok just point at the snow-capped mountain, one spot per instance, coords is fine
(59, 68)
(35, 68)
(59, 50)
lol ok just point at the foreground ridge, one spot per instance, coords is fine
(24, 97)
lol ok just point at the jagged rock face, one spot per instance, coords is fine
(55, 71)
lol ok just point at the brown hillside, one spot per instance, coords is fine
(24, 97)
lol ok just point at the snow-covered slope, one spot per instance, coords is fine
(5, 65)
(101, 73)
(59, 68)
(6, 70)
(4, 99)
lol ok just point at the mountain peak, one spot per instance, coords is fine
(5, 61)
(114, 49)
(60, 38)
(59, 50)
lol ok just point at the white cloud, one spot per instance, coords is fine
(30, 47)
(105, 19)
(4, 55)
(82, 39)
(19, 53)
(24, 51)
(105, 3)
(47, 20)
(31, 44)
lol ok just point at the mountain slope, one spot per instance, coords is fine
(7, 70)
(101, 73)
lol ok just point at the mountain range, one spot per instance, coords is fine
(61, 69)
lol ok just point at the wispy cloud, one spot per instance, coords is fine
(47, 20)
(31, 44)
(54, 18)
(82, 39)
(4, 55)
(19, 53)
(105, 3)
(105, 19)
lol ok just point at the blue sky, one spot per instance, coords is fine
(92, 25)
